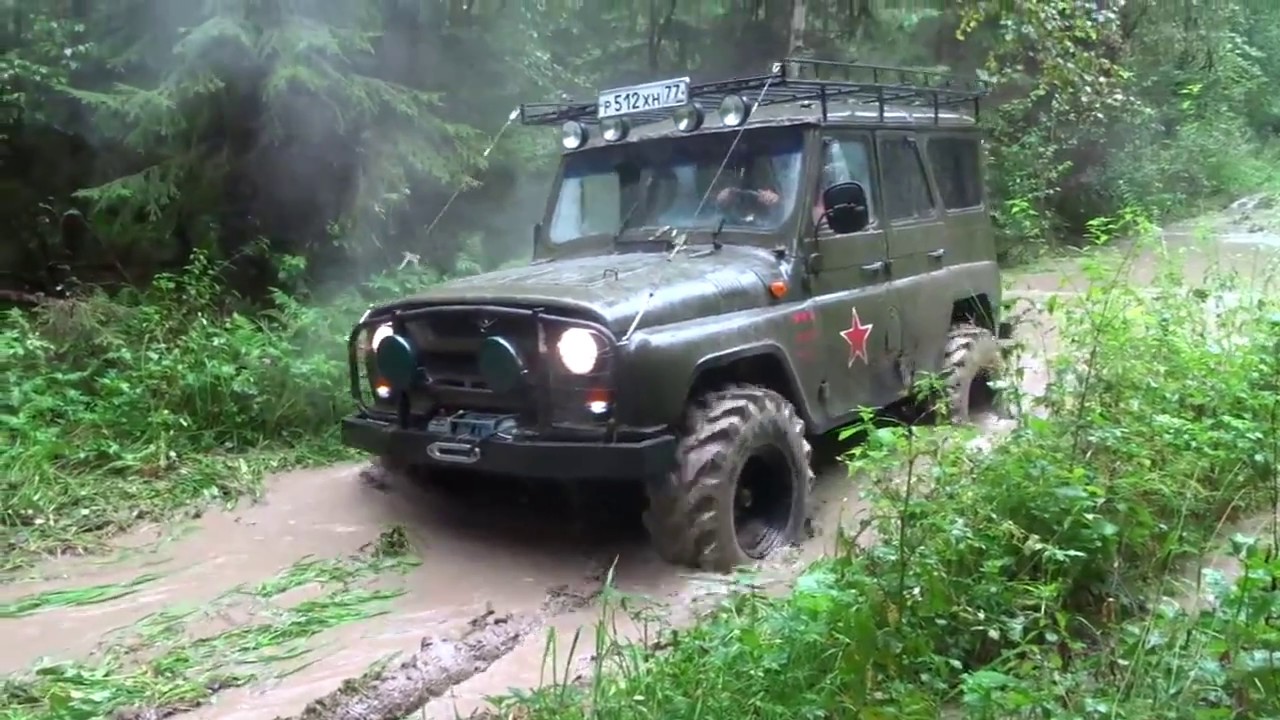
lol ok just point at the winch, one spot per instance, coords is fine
(472, 425)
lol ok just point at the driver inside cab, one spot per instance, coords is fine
(749, 192)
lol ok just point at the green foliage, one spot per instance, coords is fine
(1034, 579)
(1096, 112)
(230, 121)
(134, 407)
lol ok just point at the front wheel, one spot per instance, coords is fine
(741, 487)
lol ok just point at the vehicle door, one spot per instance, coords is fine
(856, 323)
(917, 251)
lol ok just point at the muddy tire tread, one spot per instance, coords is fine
(684, 518)
(963, 360)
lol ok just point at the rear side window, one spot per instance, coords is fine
(955, 163)
(905, 189)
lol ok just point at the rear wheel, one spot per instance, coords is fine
(972, 360)
(741, 487)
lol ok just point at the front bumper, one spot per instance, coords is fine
(638, 459)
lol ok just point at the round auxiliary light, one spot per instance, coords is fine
(573, 135)
(397, 361)
(500, 364)
(688, 118)
(614, 129)
(734, 110)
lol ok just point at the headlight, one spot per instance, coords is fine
(382, 332)
(578, 351)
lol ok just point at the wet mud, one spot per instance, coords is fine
(486, 552)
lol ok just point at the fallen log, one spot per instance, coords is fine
(427, 674)
(17, 297)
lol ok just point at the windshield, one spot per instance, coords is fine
(662, 183)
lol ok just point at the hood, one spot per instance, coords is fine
(696, 283)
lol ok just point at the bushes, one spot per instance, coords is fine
(135, 406)
(1027, 581)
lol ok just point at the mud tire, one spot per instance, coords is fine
(691, 513)
(971, 353)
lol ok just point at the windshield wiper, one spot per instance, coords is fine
(715, 234)
(626, 219)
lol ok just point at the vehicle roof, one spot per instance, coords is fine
(796, 91)
(840, 112)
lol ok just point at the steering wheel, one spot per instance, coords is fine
(743, 206)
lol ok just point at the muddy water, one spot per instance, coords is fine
(512, 569)
(504, 553)
(325, 513)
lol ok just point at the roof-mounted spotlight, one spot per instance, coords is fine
(614, 129)
(573, 135)
(734, 110)
(688, 118)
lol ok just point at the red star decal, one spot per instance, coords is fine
(856, 336)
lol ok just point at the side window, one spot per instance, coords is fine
(957, 170)
(906, 190)
(847, 158)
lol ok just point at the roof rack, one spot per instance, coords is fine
(797, 80)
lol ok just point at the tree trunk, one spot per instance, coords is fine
(795, 39)
(796, 47)
(658, 31)
(427, 674)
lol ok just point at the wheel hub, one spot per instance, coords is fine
(762, 502)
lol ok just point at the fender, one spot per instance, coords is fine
(668, 361)
(783, 379)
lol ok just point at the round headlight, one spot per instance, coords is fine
(573, 135)
(614, 129)
(733, 110)
(578, 351)
(382, 332)
(688, 118)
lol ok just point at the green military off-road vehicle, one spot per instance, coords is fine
(724, 271)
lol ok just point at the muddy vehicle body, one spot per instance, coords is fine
(723, 272)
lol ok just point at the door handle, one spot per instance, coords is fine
(873, 268)
(937, 254)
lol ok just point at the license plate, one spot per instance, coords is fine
(640, 98)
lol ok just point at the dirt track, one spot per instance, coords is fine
(474, 551)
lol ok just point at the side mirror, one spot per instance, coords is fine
(846, 208)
